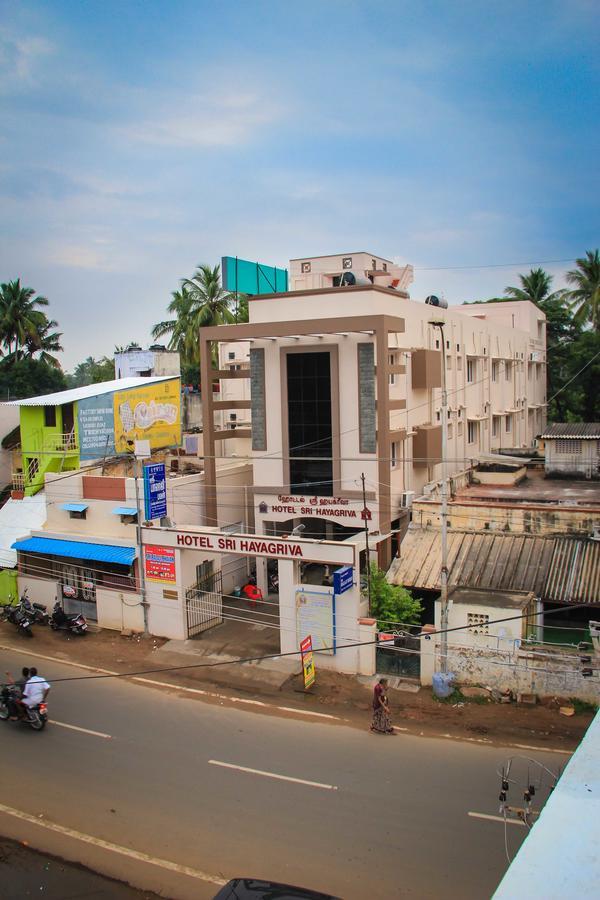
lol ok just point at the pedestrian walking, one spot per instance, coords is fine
(382, 722)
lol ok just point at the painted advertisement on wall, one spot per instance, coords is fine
(315, 616)
(96, 424)
(159, 564)
(151, 412)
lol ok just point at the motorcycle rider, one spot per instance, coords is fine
(36, 690)
(15, 703)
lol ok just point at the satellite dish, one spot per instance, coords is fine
(347, 278)
(432, 300)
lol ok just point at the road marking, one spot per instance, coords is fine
(315, 784)
(99, 734)
(108, 845)
(476, 815)
(56, 659)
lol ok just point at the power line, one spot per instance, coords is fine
(538, 262)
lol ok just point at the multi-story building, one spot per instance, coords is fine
(134, 362)
(346, 380)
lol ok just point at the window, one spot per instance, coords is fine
(495, 420)
(508, 424)
(568, 446)
(50, 416)
(478, 623)
(231, 355)
(459, 363)
(458, 348)
(508, 366)
(471, 365)
(540, 326)
(472, 428)
(394, 454)
(310, 424)
(437, 344)
(392, 378)
(537, 372)
(448, 362)
(449, 430)
(529, 371)
(460, 429)
(494, 370)
(447, 345)
(438, 415)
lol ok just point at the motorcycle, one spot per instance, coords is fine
(37, 612)
(36, 716)
(19, 617)
(74, 623)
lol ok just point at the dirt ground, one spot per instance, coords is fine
(339, 695)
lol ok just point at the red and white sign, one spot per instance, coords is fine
(160, 564)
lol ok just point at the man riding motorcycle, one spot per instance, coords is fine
(35, 691)
(15, 702)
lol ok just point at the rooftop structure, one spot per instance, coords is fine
(572, 449)
(157, 360)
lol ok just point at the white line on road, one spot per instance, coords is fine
(315, 784)
(99, 734)
(107, 845)
(476, 815)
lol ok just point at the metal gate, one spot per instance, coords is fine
(403, 657)
(204, 604)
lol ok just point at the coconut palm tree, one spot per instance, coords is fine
(19, 315)
(585, 298)
(534, 287)
(45, 341)
(181, 337)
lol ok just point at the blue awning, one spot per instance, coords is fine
(125, 511)
(123, 556)
(74, 507)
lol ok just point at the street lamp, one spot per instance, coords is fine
(444, 572)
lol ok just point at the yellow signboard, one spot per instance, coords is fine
(308, 662)
(151, 412)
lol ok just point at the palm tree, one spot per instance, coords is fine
(585, 298)
(19, 315)
(201, 302)
(45, 342)
(534, 287)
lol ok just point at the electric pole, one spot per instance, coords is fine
(444, 515)
(367, 551)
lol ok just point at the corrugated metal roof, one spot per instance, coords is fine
(574, 573)
(578, 430)
(555, 569)
(89, 390)
(123, 556)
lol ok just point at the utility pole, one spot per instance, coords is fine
(367, 551)
(444, 516)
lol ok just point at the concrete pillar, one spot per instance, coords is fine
(367, 652)
(428, 650)
(262, 579)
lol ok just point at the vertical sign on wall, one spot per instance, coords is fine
(155, 491)
(308, 662)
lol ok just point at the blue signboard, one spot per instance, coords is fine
(155, 491)
(343, 579)
(96, 424)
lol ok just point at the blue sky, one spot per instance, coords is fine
(138, 139)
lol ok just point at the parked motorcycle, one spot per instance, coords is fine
(73, 623)
(36, 717)
(37, 612)
(19, 617)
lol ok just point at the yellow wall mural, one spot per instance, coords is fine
(151, 412)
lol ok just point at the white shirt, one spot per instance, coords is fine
(34, 690)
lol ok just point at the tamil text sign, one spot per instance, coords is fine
(343, 579)
(160, 564)
(155, 491)
(339, 508)
(308, 661)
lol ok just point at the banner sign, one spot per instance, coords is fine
(315, 615)
(308, 662)
(343, 579)
(252, 277)
(96, 423)
(151, 412)
(155, 491)
(160, 564)
(296, 506)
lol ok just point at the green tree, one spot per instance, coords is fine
(535, 287)
(45, 341)
(29, 377)
(92, 371)
(392, 603)
(200, 302)
(20, 316)
(585, 296)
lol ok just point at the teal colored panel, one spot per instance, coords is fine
(252, 277)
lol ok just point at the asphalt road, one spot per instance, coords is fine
(160, 796)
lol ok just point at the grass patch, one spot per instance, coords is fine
(583, 706)
(457, 696)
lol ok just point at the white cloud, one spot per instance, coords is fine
(20, 56)
(215, 120)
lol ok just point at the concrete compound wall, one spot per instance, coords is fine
(542, 519)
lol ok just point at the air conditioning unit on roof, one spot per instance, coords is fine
(406, 499)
